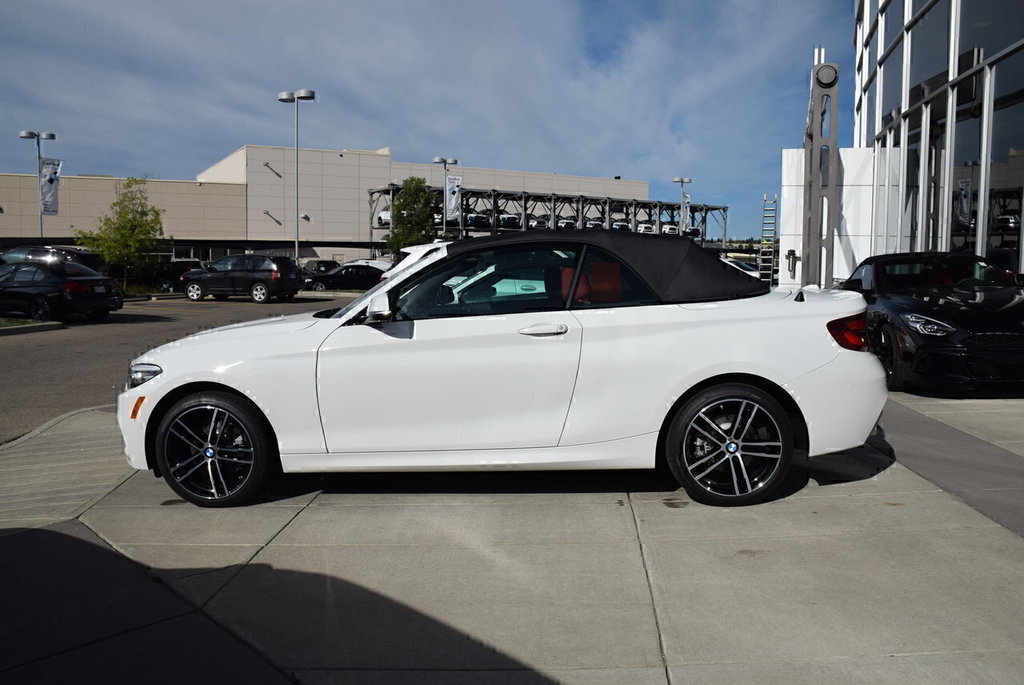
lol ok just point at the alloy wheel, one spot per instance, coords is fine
(209, 452)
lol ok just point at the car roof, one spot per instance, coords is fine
(922, 256)
(676, 268)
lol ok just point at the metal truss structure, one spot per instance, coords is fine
(497, 211)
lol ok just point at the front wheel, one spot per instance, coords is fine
(887, 349)
(215, 450)
(319, 287)
(259, 292)
(730, 445)
(194, 292)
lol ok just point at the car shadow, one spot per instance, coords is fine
(1010, 392)
(80, 607)
(848, 466)
(114, 319)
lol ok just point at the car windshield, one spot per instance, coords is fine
(937, 271)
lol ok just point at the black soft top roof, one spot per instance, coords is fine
(676, 268)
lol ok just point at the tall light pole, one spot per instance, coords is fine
(445, 161)
(684, 204)
(39, 136)
(295, 96)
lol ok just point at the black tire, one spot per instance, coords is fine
(194, 291)
(886, 348)
(39, 309)
(166, 285)
(319, 286)
(730, 445)
(220, 298)
(259, 292)
(215, 450)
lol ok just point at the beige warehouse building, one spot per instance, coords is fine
(246, 201)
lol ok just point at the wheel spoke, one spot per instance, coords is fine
(750, 419)
(711, 468)
(234, 460)
(773, 450)
(721, 435)
(738, 464)
(192, 470)
(189, 438)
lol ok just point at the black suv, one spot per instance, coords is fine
(258, 276)
(56, 254)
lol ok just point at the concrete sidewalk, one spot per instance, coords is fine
(864, 571)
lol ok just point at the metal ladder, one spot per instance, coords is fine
(766, 258)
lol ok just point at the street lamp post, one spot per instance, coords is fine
(684, 204)
(39, 136)
(445, 161)
(295, 96)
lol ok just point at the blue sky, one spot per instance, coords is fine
(646, 90)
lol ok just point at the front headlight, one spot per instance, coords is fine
(926, 326)
(140, 373)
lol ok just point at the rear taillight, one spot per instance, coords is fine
(114, 287)
(275, 274)
(74, 287)
(850, 332)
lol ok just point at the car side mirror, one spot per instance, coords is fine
(379, 309)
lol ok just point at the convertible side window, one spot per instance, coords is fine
(604, 281)
(501, 280)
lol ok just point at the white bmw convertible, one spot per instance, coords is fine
(540, 350)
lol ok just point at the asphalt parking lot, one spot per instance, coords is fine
(899, 562)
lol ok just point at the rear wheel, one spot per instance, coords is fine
(319, 286)
(194, 292)
(215, 450)
(39, 309)
(259, 293)
(730, 445)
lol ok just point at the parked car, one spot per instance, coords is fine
(318, 266)
(48, 254)
(943, 319)
(646, 227)
(54, 290)
(594, 223)
(481, 219)
(167, 276)
(346, 277)
(384, 218)
(566, 222)
(669, 228)
(506, 220)
(496, 375)
(621, 225)
(258, 276)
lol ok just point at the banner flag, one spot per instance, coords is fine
(452, 197)
(49, 180)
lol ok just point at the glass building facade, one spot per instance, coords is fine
(940, 97)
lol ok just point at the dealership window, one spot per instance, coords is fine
(893, 16)
(892, 85)
(868, 112)
(1006, 171)
(912, 172)
(929, 52)
(966, 166)
(990, 25)
(934, 237)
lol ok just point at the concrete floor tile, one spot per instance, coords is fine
(807, 516)
(595, 676)
(862, 595)
(188, 525)
(995, 668)
(471, 525)
(446, 608)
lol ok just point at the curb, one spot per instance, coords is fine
(51, 423)
(31, 328)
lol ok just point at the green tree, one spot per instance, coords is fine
(129, 232)
(412, 215)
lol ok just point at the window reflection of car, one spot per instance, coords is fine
(943, 320)
(346, 277)
(541, 350)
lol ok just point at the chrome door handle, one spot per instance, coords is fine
(543, 330)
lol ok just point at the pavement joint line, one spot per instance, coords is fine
(642, 548)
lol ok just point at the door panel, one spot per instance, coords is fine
(453, 383)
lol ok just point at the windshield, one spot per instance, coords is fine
(938, 271)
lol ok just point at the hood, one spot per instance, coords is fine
(239, 332)
(979, 308)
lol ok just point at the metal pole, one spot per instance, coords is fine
(39, 186)
(296, 180)
(444, 196)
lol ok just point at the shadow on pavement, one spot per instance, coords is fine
(75, 610)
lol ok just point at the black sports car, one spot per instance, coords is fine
(947, 320)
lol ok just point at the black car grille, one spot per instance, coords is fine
(995, 341)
